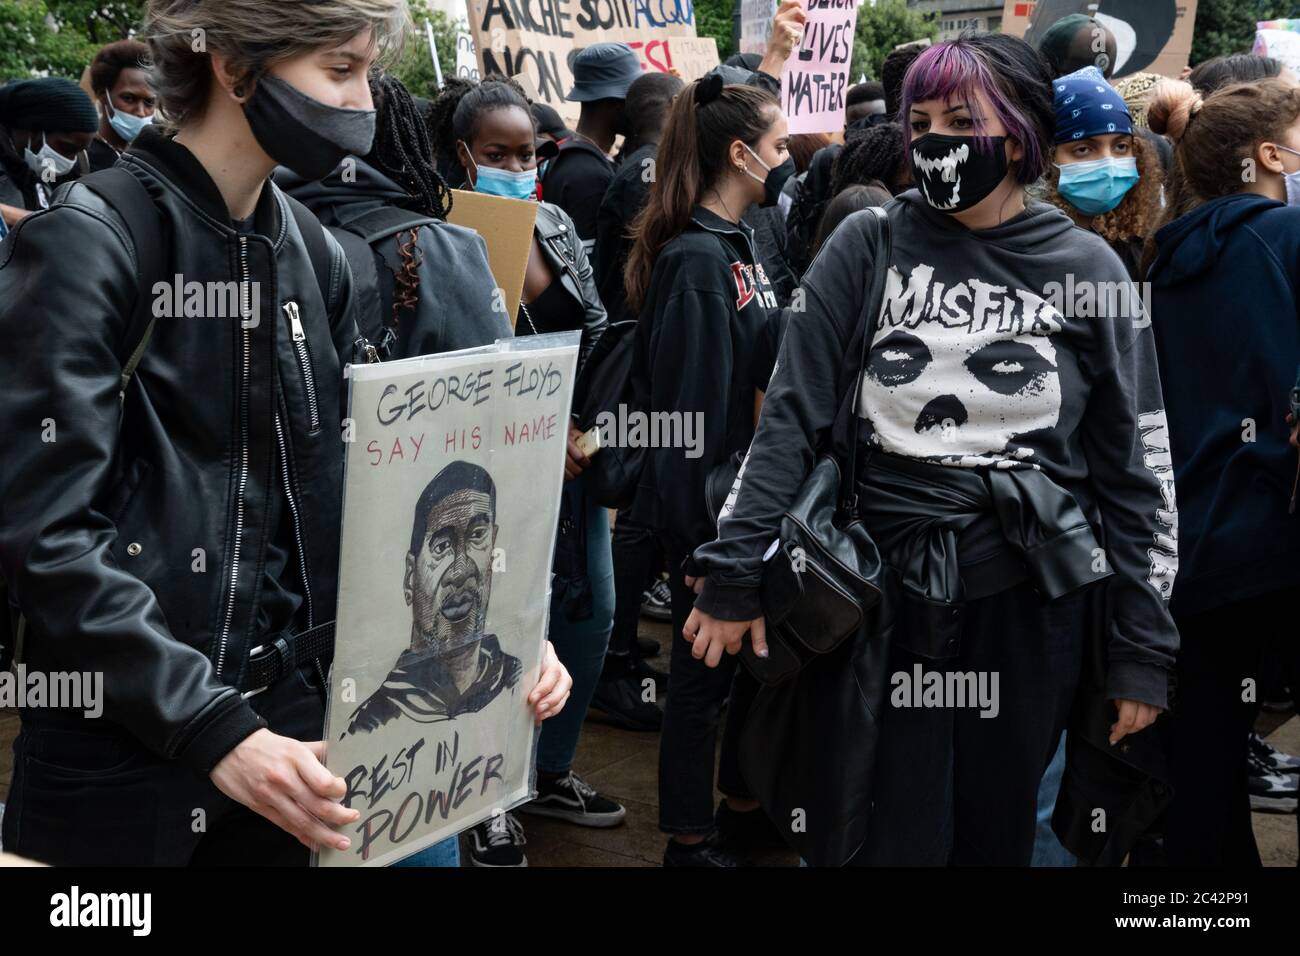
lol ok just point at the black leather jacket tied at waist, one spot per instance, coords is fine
(926, 519)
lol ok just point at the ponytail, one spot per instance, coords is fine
(704, 120)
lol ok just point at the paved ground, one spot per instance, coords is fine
(624, 765)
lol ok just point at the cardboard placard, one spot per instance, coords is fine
(451, 503)
(692, 57)
(1151, 36)
(756, 24)
(817, 76)
(466, 57)
(541, 39)
(506, 225)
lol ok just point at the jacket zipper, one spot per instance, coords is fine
(304, 362)
(246, 309)
(297, 523)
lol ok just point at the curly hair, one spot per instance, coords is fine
(1138, 213)
(112, 59)
(872, 155)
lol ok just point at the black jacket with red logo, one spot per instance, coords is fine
(700, 342)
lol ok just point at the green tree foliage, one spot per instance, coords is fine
(60, 37)
(414, 67)
(1228, 26)
(714, 18)
(883, 26)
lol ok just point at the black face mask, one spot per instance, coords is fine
(952, 173)
(774, 182)
(302, 133)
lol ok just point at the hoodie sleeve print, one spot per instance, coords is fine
(801, 403)
(692, 364)
(1125, 440)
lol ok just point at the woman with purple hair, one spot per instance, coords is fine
(1014, 456)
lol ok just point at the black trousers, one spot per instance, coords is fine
(1208, 823)
(86, 793)
(688, 743)
(952, 787)
(637, 557)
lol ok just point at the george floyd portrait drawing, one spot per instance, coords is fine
(452, 666)
(455, 469)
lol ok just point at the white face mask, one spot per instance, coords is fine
(1292, 180)
(49, 163)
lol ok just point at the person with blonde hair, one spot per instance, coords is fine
(179, 534)
(1224, 311)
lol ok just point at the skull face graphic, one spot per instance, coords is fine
(950, 389)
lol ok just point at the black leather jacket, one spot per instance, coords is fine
(139, 551)
(560, 242)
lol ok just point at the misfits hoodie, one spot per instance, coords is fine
(1020, 346)
(1227, 330)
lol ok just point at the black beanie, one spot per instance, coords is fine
(51, 104)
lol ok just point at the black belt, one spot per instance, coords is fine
(286, 653)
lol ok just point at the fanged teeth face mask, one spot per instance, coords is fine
(952, 173)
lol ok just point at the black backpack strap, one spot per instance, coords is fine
(318, 250)
(372, 268)
(130, 200)
(385, 221)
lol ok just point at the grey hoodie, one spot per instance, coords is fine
(994, 350)
(456, 290)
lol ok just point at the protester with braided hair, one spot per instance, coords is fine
(398, 256)
(489, 129)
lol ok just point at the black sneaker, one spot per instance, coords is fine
(648, 647)
(498, 841)
(1270, 792)
(657, 603)
(1271, 757)
(706, 853)
(572, 799)
(742, 832)
(622, 702)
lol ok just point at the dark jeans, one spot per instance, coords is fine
(637, 557)
(952, 787)
(1208, 823)
(86, 793)
(692, 712)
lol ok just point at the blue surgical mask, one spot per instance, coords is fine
(503, 182)
(126, 125)
(1098, 185)
(1292, 180)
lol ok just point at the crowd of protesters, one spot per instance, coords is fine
(1089, 303)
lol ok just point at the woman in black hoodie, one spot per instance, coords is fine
(1011, 424)
(704, 303)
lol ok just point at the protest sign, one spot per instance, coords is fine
(506, 225)
(817, 76)
(540, 39)
(1279, 39)
(454, 468)
(1151, 36)
(466, 58)
(756, 24)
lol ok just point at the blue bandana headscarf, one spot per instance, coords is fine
(1086, 105)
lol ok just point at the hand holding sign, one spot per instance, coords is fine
(787, 32)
